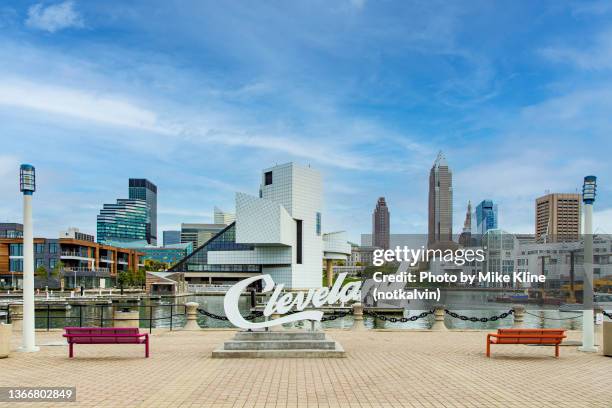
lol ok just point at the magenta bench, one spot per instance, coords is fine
(105, 335)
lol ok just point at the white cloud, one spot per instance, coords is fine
(54, 18)
(598, 56)
(107, 109)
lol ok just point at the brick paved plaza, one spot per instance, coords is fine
(382, 369)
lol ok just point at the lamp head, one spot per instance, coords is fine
(27, 179)
(589, 189)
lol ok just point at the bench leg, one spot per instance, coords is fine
(70, 350)
(556, 350)
(488, 347)
(147, 348)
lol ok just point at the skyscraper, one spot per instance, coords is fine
(143, 189)
(171, 237)
(440, 202)
(558, 217)
(381, 225)
(486, 216)
(221, 217)
(465, 238)
(123, 221)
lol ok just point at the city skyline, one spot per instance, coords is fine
(91, 95)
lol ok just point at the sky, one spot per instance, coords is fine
(199, 96)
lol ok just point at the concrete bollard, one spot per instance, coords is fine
(126, 318)
(191, 308)
(438, 324)
(358, 317)
(519, 317)
(5, 340)
(16, 312)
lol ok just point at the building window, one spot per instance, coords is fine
(268, 178)
(39, 262)
(39, 248)
(53, 248)
(319, 223)
(298, 241)
(52, 263)
(16, 265)
(16, 250)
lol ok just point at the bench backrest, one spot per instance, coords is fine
(524, 336)
(97, 332)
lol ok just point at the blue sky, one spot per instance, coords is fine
(198, 96)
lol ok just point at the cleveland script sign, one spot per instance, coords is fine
(281, 303)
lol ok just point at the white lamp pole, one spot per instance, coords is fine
(27, 184)
(588, 327)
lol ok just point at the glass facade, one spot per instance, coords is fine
(143, 189)
(124, 221)
(225, 240)
(486, 216)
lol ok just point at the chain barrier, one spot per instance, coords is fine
(334, 316)
(607, 314)
(397, 319)
(252, 316)
(553, 318)
(479, 319)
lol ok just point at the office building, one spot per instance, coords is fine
(143, 189)
(11, 230)
(171, 237)
(381, 224)
(199, 234)
(440, 228)
(168, 254)
(224, 218)
(124, 221)
(85, 263)
(486, 216)
(465, 239)
(277, 233)
(558, 217)
(74, 233)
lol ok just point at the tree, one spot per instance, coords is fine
(41, 273)
(140, 277)
(153, 265)
(58, 271)
(123, 279)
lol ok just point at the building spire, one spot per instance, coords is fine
(467, 224)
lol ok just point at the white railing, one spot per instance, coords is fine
(85, 269)
(75, 253)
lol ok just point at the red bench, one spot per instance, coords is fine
(105, 335)
(526, 336)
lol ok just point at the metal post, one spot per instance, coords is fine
(27, 186)
(588, 326)
(80, 315)
(150, 318)
(101, 315)
(48, 316)
(171, 305)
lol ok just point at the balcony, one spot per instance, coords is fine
(74, 255)
(106, 259)
(86, 271)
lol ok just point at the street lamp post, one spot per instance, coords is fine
(27, 185)
(588, 327)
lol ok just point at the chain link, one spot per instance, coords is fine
(398, 319)
(479, 319)
(252, 316)
(607, 314)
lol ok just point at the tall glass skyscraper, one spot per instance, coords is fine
(123, 221)
(440, 202)
(486, 216)
(143, 189)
